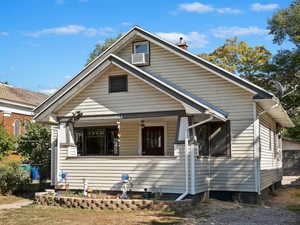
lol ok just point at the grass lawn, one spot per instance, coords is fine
(9, 199)
(60, 216)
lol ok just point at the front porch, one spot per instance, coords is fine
(101, 149)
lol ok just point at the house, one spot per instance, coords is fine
(16, 107)
(172, 121)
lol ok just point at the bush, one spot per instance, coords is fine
(12, 178)
(34, 146)
(6, 142)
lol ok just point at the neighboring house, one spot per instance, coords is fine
(16, 107)
(291, 157)
(172, 121)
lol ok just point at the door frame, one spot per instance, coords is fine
(154, 124)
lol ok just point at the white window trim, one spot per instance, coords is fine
(154, 124)
(139, 43)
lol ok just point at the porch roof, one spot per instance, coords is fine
(156, 81)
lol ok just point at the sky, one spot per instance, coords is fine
(43, 43)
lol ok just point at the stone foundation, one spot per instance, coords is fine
(45, 199)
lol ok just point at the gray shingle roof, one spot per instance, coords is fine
(21, 95)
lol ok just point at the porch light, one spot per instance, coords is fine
(142, 123)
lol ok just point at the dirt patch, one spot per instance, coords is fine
(7, 199)
(284, 197)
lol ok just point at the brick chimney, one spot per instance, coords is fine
(182, 44)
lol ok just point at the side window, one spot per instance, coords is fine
(214, 139)
(17, 127)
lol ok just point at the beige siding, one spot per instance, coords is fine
(229, 97)
(270, 163)
(104, 173)
(141, 97)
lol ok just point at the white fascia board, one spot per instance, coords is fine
(9, 109)
(23, 105)
(110, 48)
(287, 122)
(67, 90)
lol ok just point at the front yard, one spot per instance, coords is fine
(59, 216)
(281, 208)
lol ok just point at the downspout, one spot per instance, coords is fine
(186, 157)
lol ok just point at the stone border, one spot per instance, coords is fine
(44, 199)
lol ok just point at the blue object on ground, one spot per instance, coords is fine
(35, 173)
(27, 169)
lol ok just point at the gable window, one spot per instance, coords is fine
(118, 83)
(214, 139)
(140, 53)
(141, 47)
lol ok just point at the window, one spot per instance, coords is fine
(214, 139)
(118, 83)
(140, 53)
(17, 127)
(141, 47)
(96, 140)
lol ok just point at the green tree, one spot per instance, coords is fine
(240, 58)
(6, 142)
(284, 24)
(99, 48)
(34, 146)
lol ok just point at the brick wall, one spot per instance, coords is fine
(8, 121)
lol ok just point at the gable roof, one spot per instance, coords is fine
(258, 92)
(19, 95)
(167, 87)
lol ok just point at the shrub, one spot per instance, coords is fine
(12, 178)
(34, 146)
(6, 142)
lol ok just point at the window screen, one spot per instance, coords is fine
(214, 139)
(118, 83)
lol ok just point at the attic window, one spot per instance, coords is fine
(140, 53)
(141, 47)
(118, 84)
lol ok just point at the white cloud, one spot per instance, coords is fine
(68, 77)
(262, 7)
(229, 11)
(193, 39)
(48, 91)
(72, 30)
(196, 7)
(126, 24)
(3, 34)
(225, 32)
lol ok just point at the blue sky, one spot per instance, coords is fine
(45, 42)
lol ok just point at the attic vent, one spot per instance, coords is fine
(140, 58)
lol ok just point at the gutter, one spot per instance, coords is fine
(186, 155)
